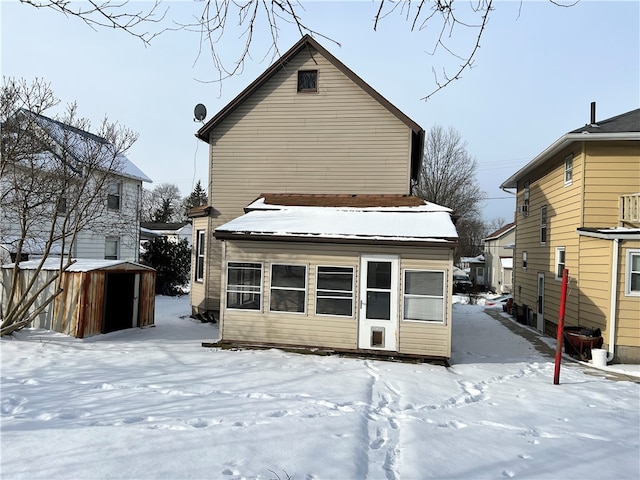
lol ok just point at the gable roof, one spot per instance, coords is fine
(621, 127)
(501, 231)
(422, 223)
(307, 42)
(59, 131)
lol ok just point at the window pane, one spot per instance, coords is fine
(425, 309)
(307, 80)
(379, 305)
(244, 285)
(379, 275)
(334, 306)
(424, 283)
(635, 282)
(335, 278)
(635, 263)
(287, 301)
(293, 276)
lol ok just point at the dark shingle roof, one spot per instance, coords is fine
(626, 122)
(500, 231)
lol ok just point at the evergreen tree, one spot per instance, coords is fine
(197, 198)
(172, 261)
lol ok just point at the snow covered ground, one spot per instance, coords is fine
(153, 403)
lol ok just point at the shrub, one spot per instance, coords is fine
(172, 261)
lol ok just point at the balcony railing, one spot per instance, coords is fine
(629, 211)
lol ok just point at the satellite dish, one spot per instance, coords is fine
(200, 112)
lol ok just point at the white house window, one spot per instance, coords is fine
(288, 288)
(524, 260)
(111, 248)
(424, 298)
(244, 285)
(543, 225)
(61, 207)
(568, 170)
(307, 81)
(334, 291)
(114, 190)
(200, 245)
(560, 262)
(632, 277)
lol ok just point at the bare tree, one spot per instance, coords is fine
(163, 204)
(54, 184)
(496, 224)
(447, 177)
(244, 20)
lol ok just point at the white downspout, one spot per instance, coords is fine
(614, 300)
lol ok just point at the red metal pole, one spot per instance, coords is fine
(560, 336)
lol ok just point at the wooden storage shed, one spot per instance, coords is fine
(99, 296)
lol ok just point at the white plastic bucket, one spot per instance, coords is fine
(598, 357)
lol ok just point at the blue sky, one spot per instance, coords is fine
(538, 69)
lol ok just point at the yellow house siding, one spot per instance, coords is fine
(563, 202)
(628, 329)
(595, 283)
(313, 330)
(613, 170)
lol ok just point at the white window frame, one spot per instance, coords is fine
(114, 190)
(327, 295)
(526, 194)
(524, 260)
(544, 222)
(406, 296)
(243, 288)
(568, 170)
(291, 289)
(630, 273)
(115, 240)
(200, 255)
(560, 251)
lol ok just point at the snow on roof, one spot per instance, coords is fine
(78, 140)
(80, 265)
(391, 223)
(610, 233)
(478, 259)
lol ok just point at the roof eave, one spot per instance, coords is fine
(561, 143)
(205, 130)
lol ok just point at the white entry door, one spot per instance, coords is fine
(378, 312)
(540, 302)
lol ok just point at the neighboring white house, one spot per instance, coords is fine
(114, 231)
(498, 256)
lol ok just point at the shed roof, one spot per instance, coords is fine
(619, 128)
(396, 223)
(81, 265)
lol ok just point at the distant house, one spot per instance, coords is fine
(475, 268)
(326, 145)
(114, 234)
(498, 257)
(578, 208)
(173, 231)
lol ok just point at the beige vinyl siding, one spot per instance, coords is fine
(308, 329)
(613, 169)
(595, 283)
(197, 293)
(338, 140)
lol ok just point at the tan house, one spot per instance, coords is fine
(307, 126)
(578, 208)
(498, 258)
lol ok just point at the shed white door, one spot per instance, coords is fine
(378, 313)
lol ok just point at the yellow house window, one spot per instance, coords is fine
(568, 170)
(632, 277)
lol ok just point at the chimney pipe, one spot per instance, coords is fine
(593, 113)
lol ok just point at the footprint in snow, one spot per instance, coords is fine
(508, 473)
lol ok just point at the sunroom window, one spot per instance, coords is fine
(288, 288)
(334, 291)
(244, 285)
(424, 296)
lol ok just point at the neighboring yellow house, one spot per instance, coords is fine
(498, 258)
(578, 208)
(310, 128)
